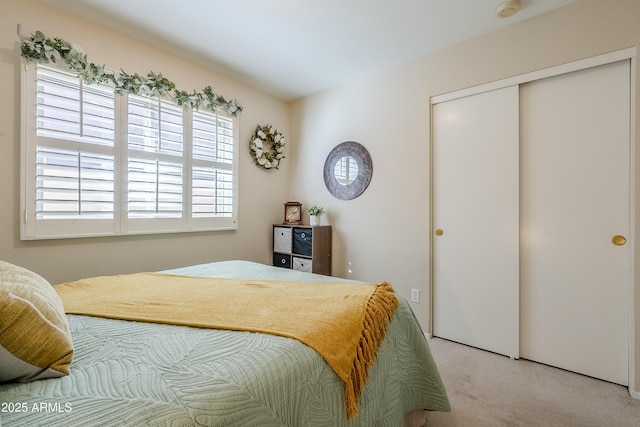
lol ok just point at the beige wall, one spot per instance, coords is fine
(385, 232)
(261, 193)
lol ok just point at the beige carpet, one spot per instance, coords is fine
(486, 389)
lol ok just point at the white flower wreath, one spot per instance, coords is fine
(267, 147)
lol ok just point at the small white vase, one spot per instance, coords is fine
(314, 220)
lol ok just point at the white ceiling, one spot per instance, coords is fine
(292, 48)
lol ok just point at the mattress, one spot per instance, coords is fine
(132, 374)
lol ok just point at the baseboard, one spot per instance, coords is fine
(634, 393)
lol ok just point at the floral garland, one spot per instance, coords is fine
(267, 147)
(42, 49)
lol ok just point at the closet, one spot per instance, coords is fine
(531, 218)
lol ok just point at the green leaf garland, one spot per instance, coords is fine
(39, 48)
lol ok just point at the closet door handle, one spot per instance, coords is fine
(439, 232)
(618, 240)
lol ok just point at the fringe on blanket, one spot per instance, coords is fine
(378, 312)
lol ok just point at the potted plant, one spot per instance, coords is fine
(315, 212)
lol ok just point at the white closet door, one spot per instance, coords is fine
(575, 198)
(475, 191)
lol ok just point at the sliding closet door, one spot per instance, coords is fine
(475, 218)
(575, 199)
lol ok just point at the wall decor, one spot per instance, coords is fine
(292, 213)
(347, 170)
(267, 147)
(42, 49)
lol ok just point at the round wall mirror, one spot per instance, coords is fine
(347, 170)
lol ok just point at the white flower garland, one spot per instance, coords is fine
(267, 147)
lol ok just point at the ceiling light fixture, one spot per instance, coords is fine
(508, 9)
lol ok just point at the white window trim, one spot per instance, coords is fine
(32, 229)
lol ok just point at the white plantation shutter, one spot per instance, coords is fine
(69, 152)
(155, 189)
(155, 166)
(69, 110)
(212, 170)
(97, 163)
(74, 184)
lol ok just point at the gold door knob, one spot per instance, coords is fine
(439, 232)
(618, 240)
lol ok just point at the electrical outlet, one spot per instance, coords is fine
(415, 295)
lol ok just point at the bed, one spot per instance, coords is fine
(131, 373)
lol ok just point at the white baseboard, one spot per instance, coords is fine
(634, 393)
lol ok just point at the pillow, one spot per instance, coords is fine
(35, 341)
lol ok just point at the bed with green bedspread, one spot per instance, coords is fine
(128, 373)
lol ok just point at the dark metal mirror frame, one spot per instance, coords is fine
(365, 170)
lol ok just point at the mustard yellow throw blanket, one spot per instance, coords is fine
(345, 323)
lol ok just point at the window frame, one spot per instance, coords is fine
(32, 228)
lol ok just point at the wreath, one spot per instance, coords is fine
(267, 147)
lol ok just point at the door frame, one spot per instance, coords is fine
(619, 55)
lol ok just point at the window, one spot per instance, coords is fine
(98, 163)
(346, 170)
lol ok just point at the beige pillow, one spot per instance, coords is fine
(35, 341)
